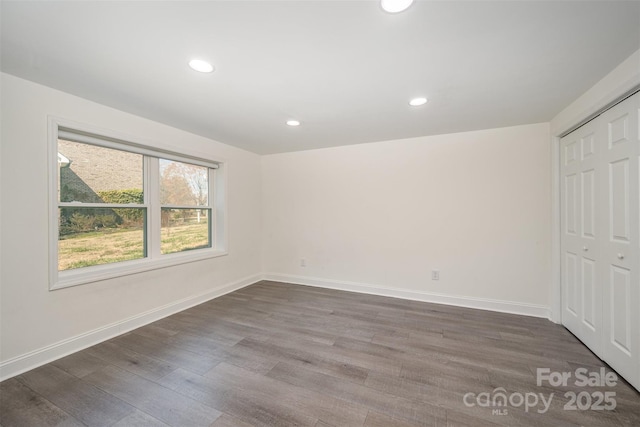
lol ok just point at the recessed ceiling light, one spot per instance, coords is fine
(395, 6)
(200, 65)
(293, 123)
(416, 102)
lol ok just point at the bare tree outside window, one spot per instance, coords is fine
(183, 188)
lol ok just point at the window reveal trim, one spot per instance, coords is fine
(59, 128)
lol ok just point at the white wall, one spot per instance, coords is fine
(379, 217)
(32, 317)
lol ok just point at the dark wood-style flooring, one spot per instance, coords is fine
(274, 354)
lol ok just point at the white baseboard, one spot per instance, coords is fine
(31, 360)
(512, 307)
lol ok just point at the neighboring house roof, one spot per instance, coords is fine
(99, 168)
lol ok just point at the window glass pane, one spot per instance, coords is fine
(94, 236)
(92, 174)
(185, 229)
(183, 184)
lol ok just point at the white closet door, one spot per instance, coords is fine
(581, 255)
(600, 241)
(621, 250)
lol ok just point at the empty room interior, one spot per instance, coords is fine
(320, 213)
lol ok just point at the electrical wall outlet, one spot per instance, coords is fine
(435, 274)
(303, 262)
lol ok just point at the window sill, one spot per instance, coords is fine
(98, 273)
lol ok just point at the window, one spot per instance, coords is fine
(101, 209)
(122, 207)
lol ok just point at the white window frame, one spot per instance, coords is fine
(152, 152)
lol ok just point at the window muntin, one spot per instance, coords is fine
(129, 215)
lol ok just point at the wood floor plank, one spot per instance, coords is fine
(391, 405)
(301, 357)
(21, 406)
(226, 420)
(137, 363)
(139, 419)
(213, 328)
(82, 400)
(155, 331)
(299, 399)
(376, 419)
(232, 397)
(80, 364)
(458, 419)
(162, 403)
(171, 354)
(422, 391)
(345, 355)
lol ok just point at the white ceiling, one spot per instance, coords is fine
(345, 69)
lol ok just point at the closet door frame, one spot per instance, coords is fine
(563, 125)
